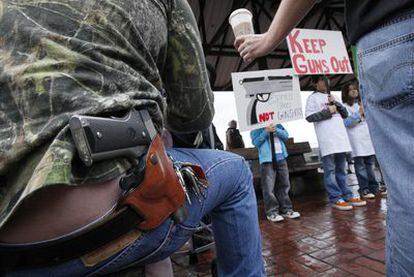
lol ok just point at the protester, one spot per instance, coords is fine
(274, 181)
(363, 152)
(326, 112)
(101, 58)
(382, 31)
(233, 136)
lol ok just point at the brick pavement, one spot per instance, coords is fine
(323, 242)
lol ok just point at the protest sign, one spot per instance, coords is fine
(318, 52)
(266, 96)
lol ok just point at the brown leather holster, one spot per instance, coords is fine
(160, 193)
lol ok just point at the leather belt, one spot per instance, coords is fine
(31, 255)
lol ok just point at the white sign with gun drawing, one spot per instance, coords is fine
(266, 96)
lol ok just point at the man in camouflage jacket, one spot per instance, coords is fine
(104, 57)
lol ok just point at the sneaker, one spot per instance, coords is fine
(356, 202)
(341, 205)
(275, 217)
(367, 195)
(290, 214)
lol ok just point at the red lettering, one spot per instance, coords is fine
(315, 66)
(318, 66)
(294, 44)
(342, 65)
(347, 65)
(299, 68)
(334, 65)
(325, 66)
(315, 46)
(322, 44)
(311, 66)
(262, 117)
(306, 44)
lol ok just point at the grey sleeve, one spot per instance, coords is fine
(341, 110)
(319, 116)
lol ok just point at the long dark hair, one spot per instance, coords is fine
(345, 94)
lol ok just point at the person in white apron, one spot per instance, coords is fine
(326, 113)
(363, 151)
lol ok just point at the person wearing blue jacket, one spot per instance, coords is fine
(274, 181)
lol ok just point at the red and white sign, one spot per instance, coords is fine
(318, 52)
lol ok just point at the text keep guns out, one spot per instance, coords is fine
(303, 48)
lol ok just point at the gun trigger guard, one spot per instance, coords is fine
(134, 176)
(130, 181)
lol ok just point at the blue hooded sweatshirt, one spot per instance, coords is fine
(260, 139)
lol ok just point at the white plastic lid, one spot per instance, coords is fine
(240, 15)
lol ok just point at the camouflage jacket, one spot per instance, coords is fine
(93, 57)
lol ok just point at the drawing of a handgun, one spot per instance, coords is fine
(259, 89)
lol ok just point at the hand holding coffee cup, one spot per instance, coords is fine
(249, 45)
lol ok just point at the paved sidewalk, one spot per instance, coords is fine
(323, 242)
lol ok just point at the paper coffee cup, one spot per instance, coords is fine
(241, 22)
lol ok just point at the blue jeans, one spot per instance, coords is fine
(230, 201)
(364, 170)
(335, 178)
(386, 63)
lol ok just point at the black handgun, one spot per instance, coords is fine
(101, 138)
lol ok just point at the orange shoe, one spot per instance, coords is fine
(342, 205)
(356, 202)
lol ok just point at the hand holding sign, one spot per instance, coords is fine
(332, 109)
(271, 128)
(331, 99)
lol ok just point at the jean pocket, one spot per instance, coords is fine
(177, 236)
(387, 72)
(145, 247)
(180, 234)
